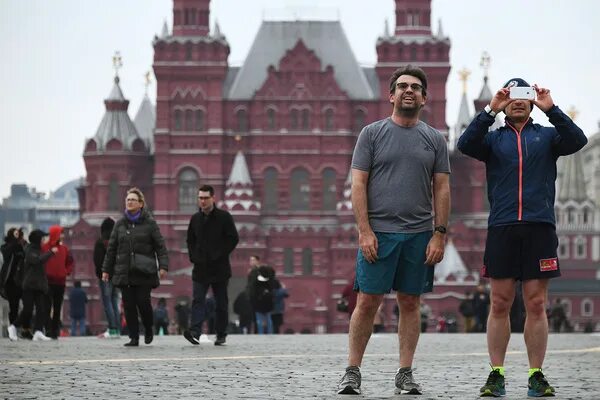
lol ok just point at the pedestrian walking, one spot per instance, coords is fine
(277, 315)
(135, 249)
(109, 293)
(78, 301)
(211, 237)
(161, 317)
(11, 274)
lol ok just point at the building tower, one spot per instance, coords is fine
(414, 43)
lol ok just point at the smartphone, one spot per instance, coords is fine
(522, 92)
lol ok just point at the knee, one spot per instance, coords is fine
(536, 307)
(500, 305)
(367, 304)
(409, 304)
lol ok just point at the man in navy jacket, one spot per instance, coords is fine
(520, 160)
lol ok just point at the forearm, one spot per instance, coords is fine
(572, 137)
(472, 140)
(359, 206)
(441, 203)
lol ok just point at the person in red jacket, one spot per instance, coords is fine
(57, 270)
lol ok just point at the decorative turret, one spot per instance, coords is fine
(239, 193)
(145, 119)
(191, 17)
(464, 114)
(414, 43)
(485, 95)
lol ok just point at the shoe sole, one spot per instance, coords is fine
(404, 391)
(191, 339)
(547, 393)
(349, 390)
(489, 393)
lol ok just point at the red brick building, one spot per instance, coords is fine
(275, 138)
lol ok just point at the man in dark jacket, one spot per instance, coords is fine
(77, 300)
(211, 237)
(520, 160)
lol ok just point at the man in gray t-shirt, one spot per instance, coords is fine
(400, 191)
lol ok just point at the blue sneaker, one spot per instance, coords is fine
(494, 386)
(538, 386)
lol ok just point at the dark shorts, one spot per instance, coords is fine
(400, 265)
(522, 252)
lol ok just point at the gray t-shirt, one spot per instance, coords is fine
(401, 163)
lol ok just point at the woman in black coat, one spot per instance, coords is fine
(11, 279)
(130, 263)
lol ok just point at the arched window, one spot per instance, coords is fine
(580, 247)
(563, 247)
(271, 122)
(300, 190)
(242, 121)
(329, 190)
(270, 191)
(177, 120)
(586, 215)
(113, 195)
(305, 119)
(189, 120)
(570, 216)
(288, 261)
(294, 123)
(329, 119)
(587, 308)
(359, 120)
(307, 261)
(413, 53)
(188, 190)
(188, 52)
(199, 120)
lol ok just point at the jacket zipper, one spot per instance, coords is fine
(520, 151)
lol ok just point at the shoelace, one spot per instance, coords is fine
(351, 376)
(493, 377)
(540, 378)
(406, 377)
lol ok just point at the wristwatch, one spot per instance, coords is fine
(441, 229)
(489, 110)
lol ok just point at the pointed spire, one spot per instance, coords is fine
(217, 31)
(451, 265)
(486, 93)
(386, 29)
(239, 172)
(440, 32)
(239, 194)
(165, 30)
(145, 121)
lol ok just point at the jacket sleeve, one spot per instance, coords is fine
(230, 232)
(473, 140)
(159, 246)
(111, 252)
(191, 238)
(34, 257)
(569, 138)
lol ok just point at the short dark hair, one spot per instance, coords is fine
(412, 71)
(207, 188)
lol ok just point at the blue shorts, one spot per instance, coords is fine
(400, 265)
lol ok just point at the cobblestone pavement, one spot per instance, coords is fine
(449, 366)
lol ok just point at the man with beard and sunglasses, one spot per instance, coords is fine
(401, 202)
(520, 159)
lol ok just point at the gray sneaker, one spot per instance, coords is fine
(405, 383)
(350, 382)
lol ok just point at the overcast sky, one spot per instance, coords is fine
(56, 64)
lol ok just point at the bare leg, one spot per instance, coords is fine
(536, 323)
(498, 325)
(361, 326)
(409, 327)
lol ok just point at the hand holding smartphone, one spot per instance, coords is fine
(522, 92)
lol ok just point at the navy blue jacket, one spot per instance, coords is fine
(521, 166)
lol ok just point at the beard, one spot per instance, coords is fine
(408, 111)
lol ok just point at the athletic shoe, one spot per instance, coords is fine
(405, 383)
(190, 337)
(494, 386)
(219, 341)
(104, 335)
(350, 382)
(204, 339)
(12, 333)
(538, 386)
(113, 334)
(39, 336)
